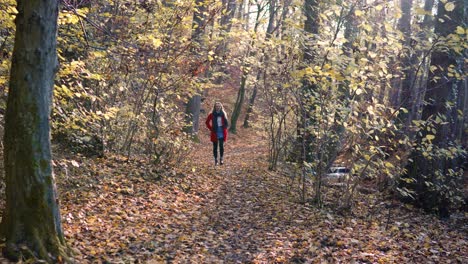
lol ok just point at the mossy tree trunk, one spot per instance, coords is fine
(31, 219)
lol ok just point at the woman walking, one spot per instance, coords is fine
(217, 123)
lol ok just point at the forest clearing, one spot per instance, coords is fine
(233, 131)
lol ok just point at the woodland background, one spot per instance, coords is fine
(378, 86)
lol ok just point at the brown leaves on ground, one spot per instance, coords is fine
(121, 211)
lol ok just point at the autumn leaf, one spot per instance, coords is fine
(450, 6)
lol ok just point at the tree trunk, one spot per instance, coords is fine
(311, 27)
(246, 15)
(420, 76)
(350, 32)
(229, 10)
(463, 134)
(194, 105)
(31, 220)
(245, 74)
(241, 10)
(404, 25)
(193, 113)
(440, 95)
(439, 91)
(406, 81)
(459, 114)
(252, 100)
(265, 59)
(239, 102)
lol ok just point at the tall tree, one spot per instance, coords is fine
(443, 88)
(194, 104)
(311, 28)
(421, 72)
(245, 72)
(229, 10)
(31, 220)
(264, 59)
(406, 82)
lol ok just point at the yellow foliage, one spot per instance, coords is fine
(358, 13)
(460, 31)
(449, 6)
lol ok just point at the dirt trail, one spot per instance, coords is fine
(235, 213)
(250, 218)
(235, 220)
(242, 218)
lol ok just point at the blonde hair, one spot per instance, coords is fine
(222, 108)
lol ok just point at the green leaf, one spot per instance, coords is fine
(430, 137)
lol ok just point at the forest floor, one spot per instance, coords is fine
(120, 211)
(116, 210)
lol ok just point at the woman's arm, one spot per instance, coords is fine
(207, 122)
(226, 123)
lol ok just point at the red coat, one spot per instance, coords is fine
(209, 125)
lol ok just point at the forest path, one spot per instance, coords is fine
(244, 216)
(121, 211)
(242, 219)
(250, 216)
(199, 214)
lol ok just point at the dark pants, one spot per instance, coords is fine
(220, 142)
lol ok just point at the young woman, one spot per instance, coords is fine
(217, 123)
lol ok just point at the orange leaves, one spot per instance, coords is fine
(237, 213)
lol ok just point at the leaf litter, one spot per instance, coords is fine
(116, 210)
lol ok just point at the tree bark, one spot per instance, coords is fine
(230, 9)
(420, 76)
(194, 105)
(265, 59)
(31, 219)
(305, 139)
(252, 100)
(439, 91)
(241, 10)
(440, 95)
(228, 12)
(406, 82)
(239, 102)
(193, 113)
(245, 74)
(311, 26)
